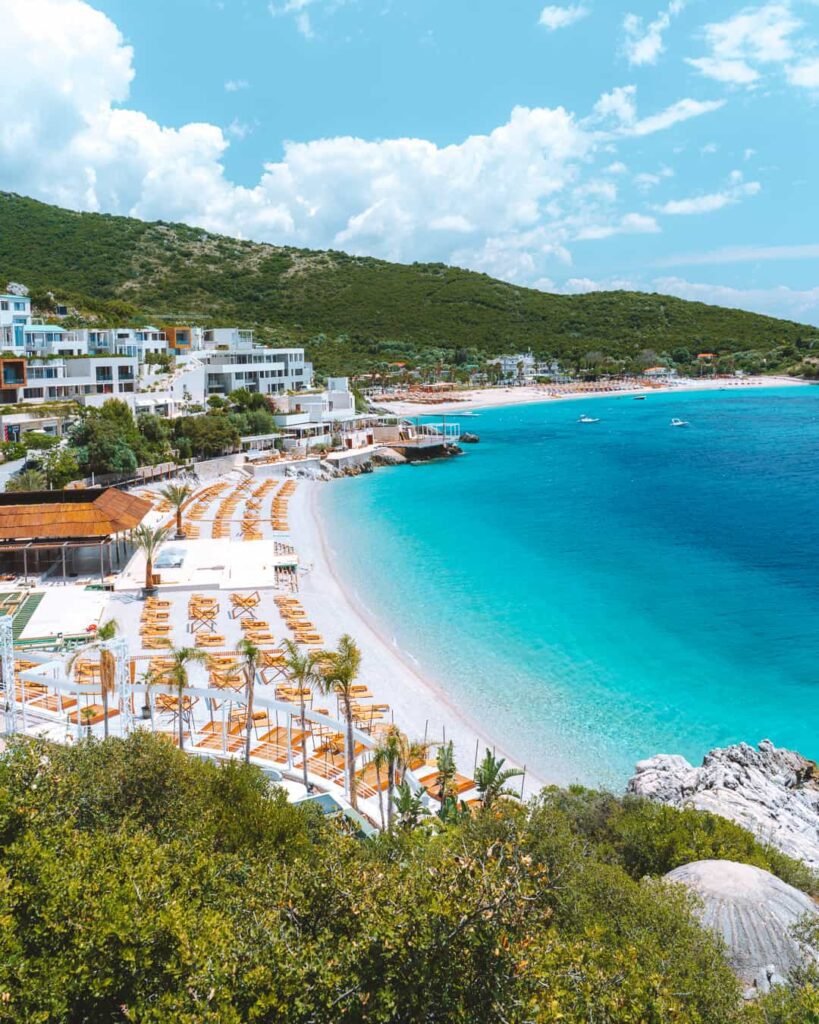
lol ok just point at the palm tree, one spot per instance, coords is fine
(409, 806)
(380, 762)
(176, 495)
(108, 665)
(303, 670)
(394, 753)
(178, 674)
(491, 778)
(338, 673)
(250, 662)
(149, 539)
(27, 480)
(446, 772)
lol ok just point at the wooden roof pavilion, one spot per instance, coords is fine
(81, 516)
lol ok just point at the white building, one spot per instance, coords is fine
(226, 337)
(89, 381)
(15, 314)
(268, 371)
(139, 342)
(321, 417)
(521, 366)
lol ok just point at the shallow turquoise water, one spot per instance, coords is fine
(598, 593)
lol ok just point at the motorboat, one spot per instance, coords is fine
(588, 419)
(679, 423)
(639, 398)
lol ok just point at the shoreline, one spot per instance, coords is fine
(420, 705)
(479, 399)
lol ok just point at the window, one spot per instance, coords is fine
(4, 305)
(32, 392)
(19, 306)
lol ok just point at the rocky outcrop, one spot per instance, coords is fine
(469, 438)
(772, 792)
(754, 913)
(388, 457)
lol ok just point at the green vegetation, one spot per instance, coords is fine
(358, 314)
(111, 440)
(140, 884)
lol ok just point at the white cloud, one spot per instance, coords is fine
(236, 84)
(745, 254)
(619, 105)
(630, 224)
(300, 13)
(618, 167)
(511, 201)
(644, 43)
(780, 301)
(736, 72)
(735, 192)
(805, 74)
(554, 17)
(682, 110)
(750, 40)
(584, 285)
(239, 129)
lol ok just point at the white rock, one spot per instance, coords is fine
(772, 792)
(755, 914)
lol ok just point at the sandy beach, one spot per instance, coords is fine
(493, 398)
(421, 708)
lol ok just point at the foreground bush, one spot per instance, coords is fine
(138, 884)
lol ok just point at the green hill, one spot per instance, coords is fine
(354, 311)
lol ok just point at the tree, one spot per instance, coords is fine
(60, 466)
(338, 673)
(176, 495)
(27, 480)
(491, 778)
(446, 770)
(393, 755)
(149, 539)
(181, 657)
(250, 654)
(108, 664)
(303, 670)
(409, 806)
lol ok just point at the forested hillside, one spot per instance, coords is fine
(353, 310)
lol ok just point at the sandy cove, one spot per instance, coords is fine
(493, 398)
(420, 707)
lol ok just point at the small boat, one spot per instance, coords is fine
(588, 419)
(639, 398)
(679, 423)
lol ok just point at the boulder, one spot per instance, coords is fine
(469, 438)
(755, 914)
(772, 792)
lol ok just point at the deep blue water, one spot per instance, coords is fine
(597, 593)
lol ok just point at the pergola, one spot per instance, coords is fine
(67, 521)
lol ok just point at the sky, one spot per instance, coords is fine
(595, 144)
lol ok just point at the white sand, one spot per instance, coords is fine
(491, 398)
(419, 706)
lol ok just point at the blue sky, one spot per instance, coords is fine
(663, 146)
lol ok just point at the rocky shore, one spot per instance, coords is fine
(772, 792)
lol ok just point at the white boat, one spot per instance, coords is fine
(588, 419)
(679, 423)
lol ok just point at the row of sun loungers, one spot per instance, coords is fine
(280, 502)
(304, 632)
(155, 629)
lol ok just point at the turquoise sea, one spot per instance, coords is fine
(597, 593)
